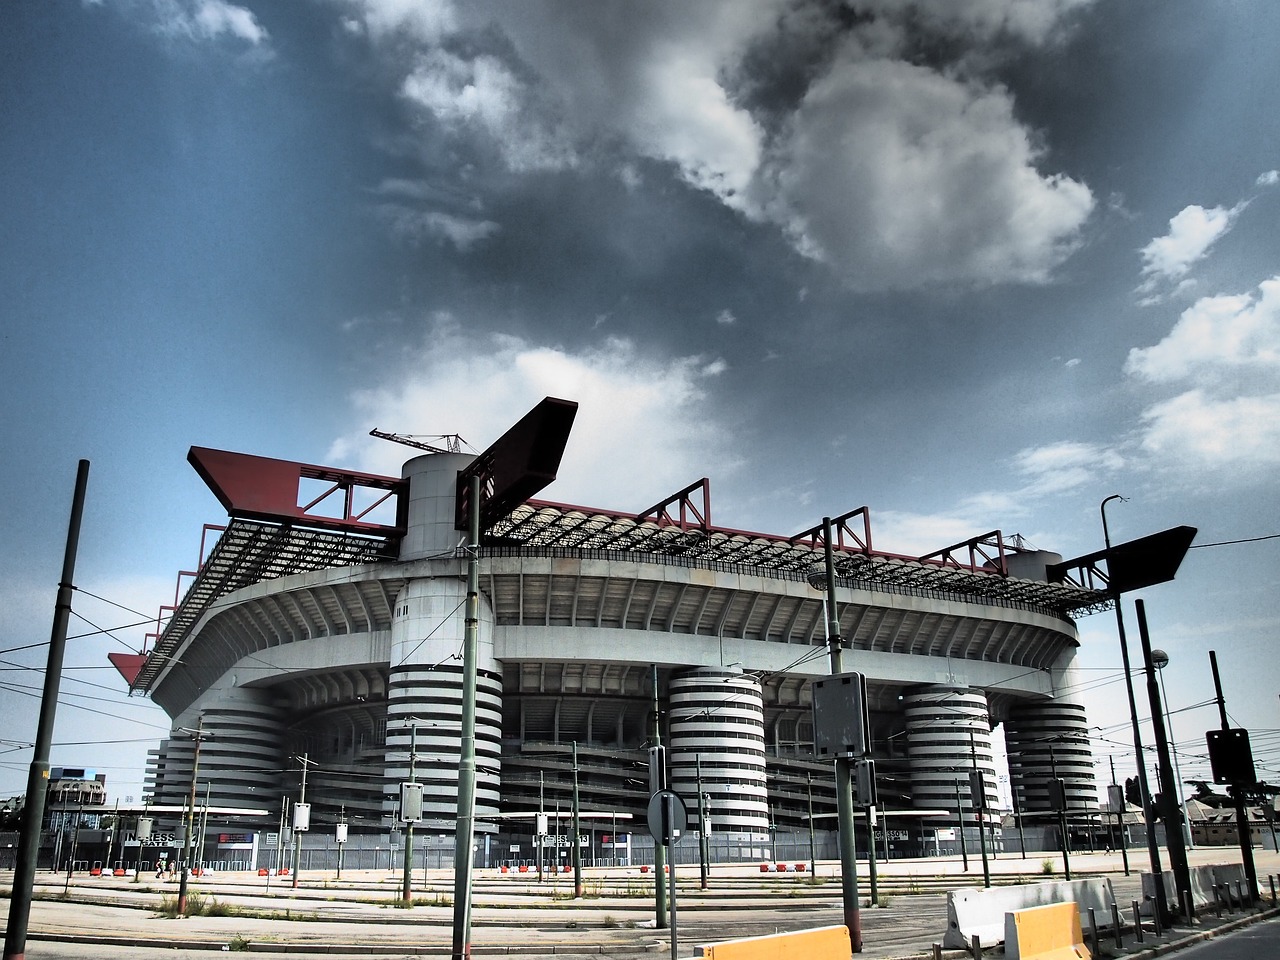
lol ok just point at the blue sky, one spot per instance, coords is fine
(976, 265)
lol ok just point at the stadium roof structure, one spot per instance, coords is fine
(275, 537)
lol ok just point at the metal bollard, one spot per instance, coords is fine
(1217, 900)
(1137, 922)
(1093, 932)
(1245, 900)
(1188, 908)
(975, 946)
(1155, 912)
(1272, 880)
(1115, 924)
(937, 951)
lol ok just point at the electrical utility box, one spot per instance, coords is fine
(841, 721)
(1231, 757)
(301, 817)
(410, 803)
(977, 790)
(1057, 794)
(145, 826)
(340, 833)
(864, 783)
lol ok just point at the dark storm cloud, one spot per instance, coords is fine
(894, 168)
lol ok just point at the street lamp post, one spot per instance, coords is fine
(1153, 851)
(1160, 660)
(844, 779)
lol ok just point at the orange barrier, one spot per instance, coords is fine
(1051, 932)
(824, 943)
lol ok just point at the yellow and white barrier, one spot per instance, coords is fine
(823, 943)
(1051, 932)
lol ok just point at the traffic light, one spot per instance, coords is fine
(977, 790)
(1132, 794)
(1058, 794)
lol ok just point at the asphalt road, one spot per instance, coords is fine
(1261, 941)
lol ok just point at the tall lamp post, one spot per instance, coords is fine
(1160, 660)
(844, 772)
(1153, 850)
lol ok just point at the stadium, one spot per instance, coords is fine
(325, 622)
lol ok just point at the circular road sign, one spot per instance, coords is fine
(668, 817)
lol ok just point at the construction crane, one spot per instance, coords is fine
(452, 442)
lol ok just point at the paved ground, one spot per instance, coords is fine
(357, 916)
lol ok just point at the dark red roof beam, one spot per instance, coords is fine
(688, 508)
(994, 562)
(260, 488)
(813, 537)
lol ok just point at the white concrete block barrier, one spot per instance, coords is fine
(978, 912)
(1204, 880)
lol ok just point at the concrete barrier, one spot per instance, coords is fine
(979, 912)
(1203, 881)
(823, 943)
(1051, 932)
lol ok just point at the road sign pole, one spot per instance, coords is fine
(669, 820)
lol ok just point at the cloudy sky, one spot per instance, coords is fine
(976, 265)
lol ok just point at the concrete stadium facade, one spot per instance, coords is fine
(296, 641)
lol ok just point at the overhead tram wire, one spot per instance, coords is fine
(1227, 543)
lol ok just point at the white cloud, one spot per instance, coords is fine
(1064, 465)
(898, 175)
(417, 225)
(1191, 233)
(726, 318)
(1268, 179)
(481, 92)
(1216, 334)
(1196, 433)
(208, 20)
(642, 428)
(422, 19)
(1073, 362)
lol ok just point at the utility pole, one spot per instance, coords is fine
(1062, 819)
(1123, 831)
(1169, 792)
(813, 861)
(24, 874)
(1243, 829)
(341, 837)
(297, 833)
(541, 839)
(659, 851)
(463, 853)
(1017, 815)
(191, 810)
(406, 882)
(702, 828)
(964, 849)
(844, 779)
(978, 796)
(576, 849)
